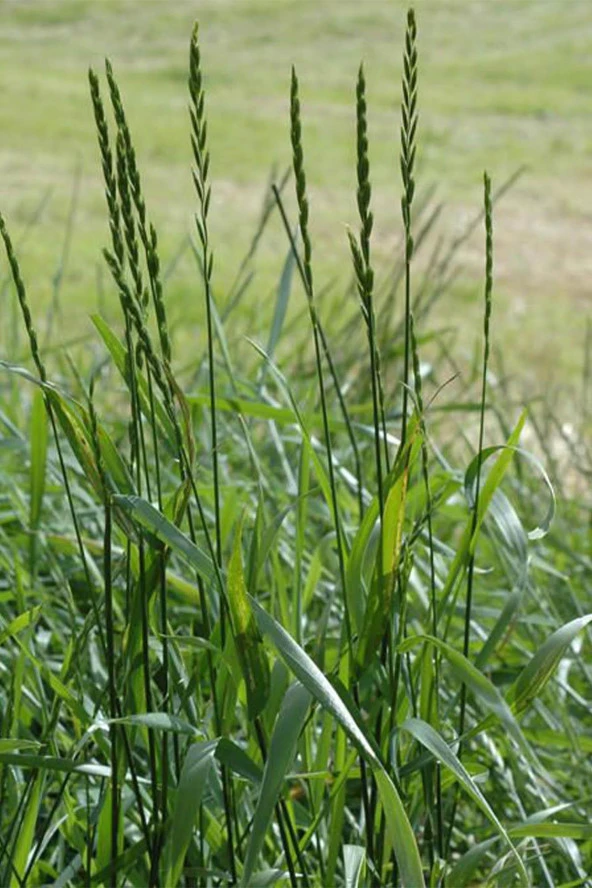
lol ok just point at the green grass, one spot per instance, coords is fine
(504, 84)
(285, 609)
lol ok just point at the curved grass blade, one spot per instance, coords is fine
(281, 304)
(25, 839)
(53, 763)
(355, 565)
(249, 647)
(27, 618)
(541, 529)
(282, 750)
(235, 758)
(192, 782)
(399, 827)
(432, 741)
(9, 744)
(158, 721)
(463, 871)
(164, 530)
(469, 675)
(78, 439)
(538, 671)
(471, 532)
(354, 859)
(380, 597)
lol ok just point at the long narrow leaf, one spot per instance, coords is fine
(192, 782)
(429, 738)
(282, 750)
(154, 521)
(399, 827)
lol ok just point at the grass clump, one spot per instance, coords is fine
(240, 654)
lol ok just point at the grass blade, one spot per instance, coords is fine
(251, 654)
(282, 750)
(197, 766)
(164, 530)
(429, 738)
(539, 670)
(354, 859)
(400, 830)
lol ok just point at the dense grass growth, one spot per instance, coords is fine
(263, 627)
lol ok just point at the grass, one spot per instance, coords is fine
(486, 102)
(274, 619)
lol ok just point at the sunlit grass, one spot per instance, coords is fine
(285, 603)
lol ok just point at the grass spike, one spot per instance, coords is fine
(129, 224)
(23, 302)
(146, 230)
(201, 158)
(407, 161)
(365, 278)
(108, 166)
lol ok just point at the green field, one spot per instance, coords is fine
(502, 84)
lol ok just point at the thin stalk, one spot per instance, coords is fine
(185, 470)
(475, 515)
(110, 638)
(364, 274)
(88, 837)
(130, 189)
(145, 633)
(166, 703)
(433, 600)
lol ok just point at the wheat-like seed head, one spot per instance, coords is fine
(22, 298)
(409, 126)
(300, 180)
(107, 165)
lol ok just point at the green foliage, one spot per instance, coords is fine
(180, 543)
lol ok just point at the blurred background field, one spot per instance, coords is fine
(503, 84)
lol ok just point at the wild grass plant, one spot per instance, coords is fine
(261, 628)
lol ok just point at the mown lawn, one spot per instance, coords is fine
(502, 84)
